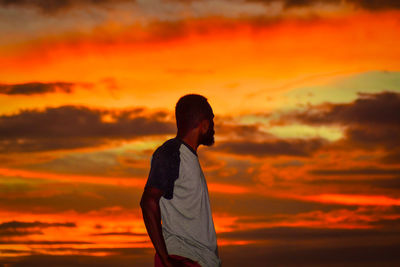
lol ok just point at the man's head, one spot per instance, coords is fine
(194, 111)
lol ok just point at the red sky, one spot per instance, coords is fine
(305, 94)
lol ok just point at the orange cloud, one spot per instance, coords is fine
(227, 189)
(354, 199)
(133, 182)
(259, 56)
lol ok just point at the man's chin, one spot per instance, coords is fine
(209, 142)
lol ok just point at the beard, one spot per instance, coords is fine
(207, 139)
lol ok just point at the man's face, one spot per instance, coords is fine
(207, 138)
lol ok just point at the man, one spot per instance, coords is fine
(176, 192)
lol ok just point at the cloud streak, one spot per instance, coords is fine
(20, 228)
(368, 109)
(364, 4)
(34, 88)
(295, 147)
(69, 127)
(371, 122)
(363, 171)
(19, 224)
(386, 183)
(55, 7)
(51, 6)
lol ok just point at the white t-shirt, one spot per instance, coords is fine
(187, 222)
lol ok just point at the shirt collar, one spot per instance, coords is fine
(190, 148)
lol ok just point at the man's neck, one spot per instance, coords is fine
(191, 139)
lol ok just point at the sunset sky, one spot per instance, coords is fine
(305, 170)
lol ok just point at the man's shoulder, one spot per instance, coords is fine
(164, 168)
(169, 148)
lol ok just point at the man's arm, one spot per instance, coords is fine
(152, 219)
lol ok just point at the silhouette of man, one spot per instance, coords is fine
(176, 191)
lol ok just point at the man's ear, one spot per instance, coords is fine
(204, 124)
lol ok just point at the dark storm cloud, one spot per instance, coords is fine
(368, 109)
(364, 4)
(54, 6)
(69, 127)
(19, 224)
(373, 136)
(371, 122)
(36, 88)
(294, 147)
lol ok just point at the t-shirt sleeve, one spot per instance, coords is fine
(164, 171)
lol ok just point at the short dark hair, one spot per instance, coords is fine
(190, 110)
